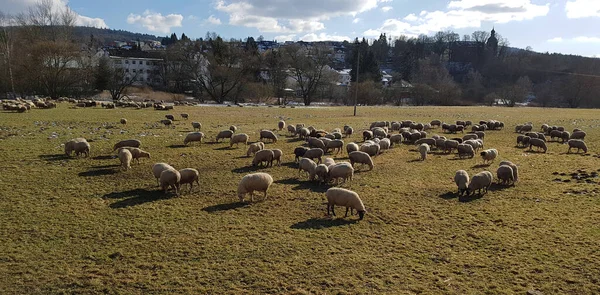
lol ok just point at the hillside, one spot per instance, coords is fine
(109, 35)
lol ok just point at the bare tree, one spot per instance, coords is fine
(118, 81)
(307, 68)
(515, 93)
(7, 24)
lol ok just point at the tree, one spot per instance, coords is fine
(7, 42)
(307, 68)
(369, 92)
(512, 94)
(480, 36)
(276, 65)
(473, 88)
(102, 74)
(118, 80)
(435, 83)
(368, 68)
(576, 88)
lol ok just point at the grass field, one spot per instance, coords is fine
(81, 225)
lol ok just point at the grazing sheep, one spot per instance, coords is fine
(70, 145)
(255, 147)
(238, 138)
(470, 136)
(436, 123)
(348, 131)
(309, 166)
(385, 144)
(314, 153)
(277, 153)
(263, 156)
(299, 152)
(578, 144)
(189, 175)
(342, 170)
(379, 132)
(254, 182)
(367, 134)
(137, 153)
(303, 133)
(196, 125)
(361, 158)
(268, 134)
(480, 134)
(476, 144)
(345, 198)
(170, 178)
(423, 150)
(281, 125)
(560, 128)
(125, 157)
(351, 147)
(541, 136)
(292, 129)
(396, 139)
(532, 134)
(578, 135)
(314, 142)
(224, 134)
(337, 135)
(82, 147)
(429, 141)
(322, 172)
(167, 122)
(233, 128)
(450, 145)
(465, 150)
(370, 148)
(193, 136)
(540, 144)
(505, 175)
(514, 168)
(461, 178)
(184, 115)
(123, 121)
(299, 126)
(329, 161)
(129, 142)
(170, 117)
(564, 137)
(555, 134)
(159, 168)
(482, 180)
(336, 144)
(526, 128)
(489, 155)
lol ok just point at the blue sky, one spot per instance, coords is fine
(566, 26)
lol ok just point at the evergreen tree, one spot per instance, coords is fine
(368, 67)
(184, 37)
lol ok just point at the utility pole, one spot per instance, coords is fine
(356, 92)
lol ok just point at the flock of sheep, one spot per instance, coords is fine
(379, 137)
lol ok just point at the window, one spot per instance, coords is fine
(147, 63)
(134, 70)
(117, 62)
(133, 62)
(126, 70)
(127, 61)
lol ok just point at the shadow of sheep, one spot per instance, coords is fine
(55, 157)
(304, 185)
(225, 207)
(319, 223)
(135, 197)
(98, 172)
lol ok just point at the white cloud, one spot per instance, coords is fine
(584, 39)
(212, 20)
(156, 22)
(192, 17)
(90, 22)
(18, 6)
(356, 20)
(582, 8)
(323, 37)
(283, 38)
(290, 16)
(555, 40)
(386, 8)
(462, 14)
(385, 1)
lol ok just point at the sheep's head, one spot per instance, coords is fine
(361, 214)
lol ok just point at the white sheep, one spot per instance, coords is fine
(292, 129)
(268, 134)
(329, 161)
(159, 168)
(336, 144)
(540, 144)
(189, 175)
(322, 171)
(361, 158)
(129, 142)
(277, 154)
(137, 153)
(578, 144)
(465, 150)
(123, 121)
(170, 178)
(193, 136)
(351, 147)
(82, 147)
(239, 138)
(396, 139)
(224, 134)
(514, 167)
(482, 180)
(342, 170)
(254, 182)
(489, 155)
(348, 131)
(303, 133)
(370, 148)
(315, 153)
(461, 178)
(125, 157)
(578, 135)
(70, 145)
(263, 156)
(233, 128)
(281, 125)
(505, 175)
(308, 165)
(345, 198)
(184, 115)
(196, 125)
(423, 150)
(255, 147)
(385, 144)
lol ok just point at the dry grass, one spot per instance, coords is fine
(83, 226)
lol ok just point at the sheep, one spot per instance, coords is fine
(196, 125)
(465, 150)
(540, 144)
(123, 121)
(303, 133)
(281, 125)
(525, 128)
(564, 137)
(423, 150)
(342, 170)
(450, 144)
(576, 130)
(396, 139)
(314, 142)
(429, 141)
(345, 198)
(170, 178)
(268, 134)
(238, 138)
(170, 117)
(184, 115)
(436, 123)
(255, 147)
(351, 147)
(578, 144)
(555, 134)
(233, 128)
(82, 147)
(337, 135)
(129, 142)
(348, 131)
(292, 129)
(193, 136)
(158, 168)
(470, 136)
(125, 157)
(482, 180)
(299, 126)
(544, 127)
(322, 172)
(189, 175)
(560, 128)
(70, 145)
(505, 175)
(370, 148)
(361, 158)
(515, 169)
(224, 134)
(299, 152)
(329, 161)
(137, 153)
(474, 143)
(578, 135)
(489, 155)
(336, 144)
(379, 133)
(167, 122)
(385, 144)
(277, 153)
(254, 182)
(314, 153)
(309, 166)
(367, 134)
(263, 156)
(541, 136)
(480, 134)
(396, 126)
(461, 178)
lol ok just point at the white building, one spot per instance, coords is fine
(145, 70)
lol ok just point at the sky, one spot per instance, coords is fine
(564, 26)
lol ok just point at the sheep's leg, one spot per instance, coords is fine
(346, 215)
(332, 210)
(191, 187)
(265, 197)
(252, 196)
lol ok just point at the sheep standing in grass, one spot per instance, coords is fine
(578, 135)
(370, 148)
(137, 153)
(193, 136)
(461, 178)
(505, 175)
(159, 168)
(351, 147)
(515, 169)
(578, 144)
(255, 147)
(250, 183)
(396, 139)
(329, 161)
(489, 155)
(299, 152)
(361, 158)
(367, 134)
(564, 137)
(129, 142)
(322, 171)
(345, 198)
(123, 121)
(315, 153)
(189, 175)
(82, 147)
(70, 145)
(268, 134)
(185, 116)
(423, 150)
(465, 150)
(170, 178)
(196, 125)
(281, 125)
(170, 117)
(309, 166)
(167, 122)
(238, 138)
(224, 134)
(125, 157)
(480, 181)
(265, 156)
(292, 129)
(336, 144)
(233, 128)
(277, 154)
(303, 133)
(538, 143)
(450, 145)
(348, 131)
(342, 170)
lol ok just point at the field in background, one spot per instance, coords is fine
(83, 226)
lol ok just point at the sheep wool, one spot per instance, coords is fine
(137, 153)
(277, 153)
(538, 143)
(125, 157)
(578, 144)
(308, 165)
(82, 147)
(505, 175)
(159, 168)
(514, 168)
(268, 134)
(238, 138)
(224, 134)
(70, 145)
(321, 172)
(461, 178)
(351, 147)
(489, 155)
(255, 147)
(193, 136)
(189, 175)
(265, 156)
(250, 183)
(314, 153)
(423, 150)
(361, 158)
(281, 125)
(481, 181)
(329, 161)
(170, 178)
(342, 170)
(345, 198)
(129, 142)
